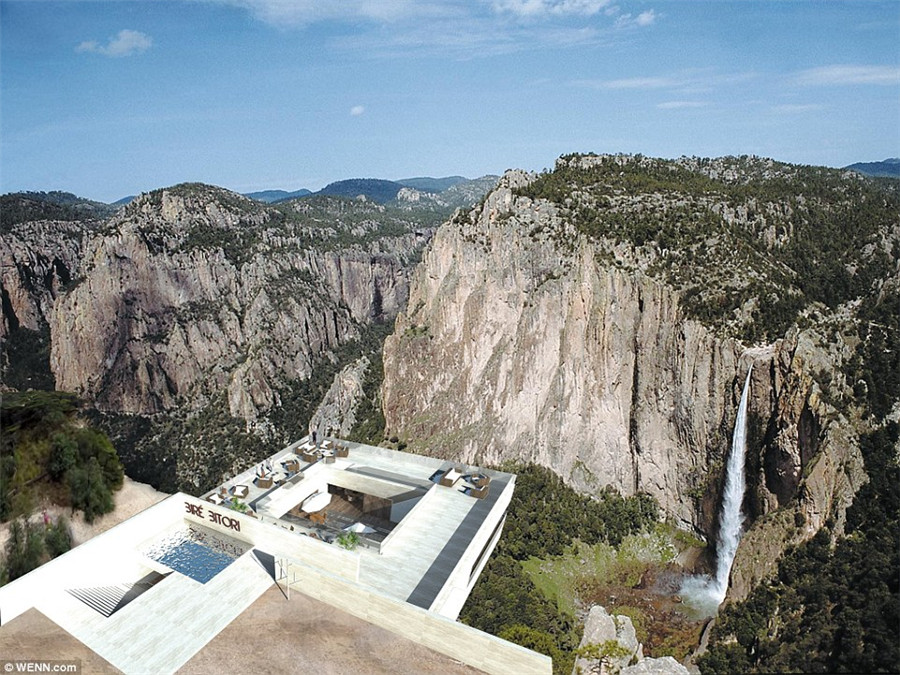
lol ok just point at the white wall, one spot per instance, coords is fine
(400, 509)
(450, 600)
(277, 539)
(456, 640)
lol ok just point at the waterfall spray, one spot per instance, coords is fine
(704, 592)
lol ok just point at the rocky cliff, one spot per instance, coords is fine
(164, 319)
(39, 260)
(599, 320)
(202, 326)
(518, 347)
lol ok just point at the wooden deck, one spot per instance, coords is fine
(339, 514)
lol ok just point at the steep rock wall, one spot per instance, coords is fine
(806, 455)
(520, 344)
(158, 323)
(33, 276)
(525, 340)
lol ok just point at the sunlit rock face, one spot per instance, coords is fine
(524, 339)
(191, 293)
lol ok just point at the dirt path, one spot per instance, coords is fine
(304, 635)
(131, 499)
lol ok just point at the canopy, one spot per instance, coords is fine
(316, 502)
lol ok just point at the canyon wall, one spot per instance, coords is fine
(203, 327)
(526, 340)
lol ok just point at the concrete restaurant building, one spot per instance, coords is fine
(390, 538)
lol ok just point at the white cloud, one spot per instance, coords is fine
(303, 12)
(633, 83)
(558, 7)
(798, 107)
(686, 83)
(643, 19)
(463, 28)
(646, 18)
(844, 74)
(678, 105)
(357, 110)
(126, 43)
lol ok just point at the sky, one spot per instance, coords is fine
(109, 98)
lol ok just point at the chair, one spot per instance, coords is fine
(480, 480)
(342, 451)
(479, 493)
(450, 477)
(265, 482)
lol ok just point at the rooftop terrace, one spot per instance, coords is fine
(155, 590)
(419, 511)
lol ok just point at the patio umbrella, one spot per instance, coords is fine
(316, 502)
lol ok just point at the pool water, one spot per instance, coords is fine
(198, 555)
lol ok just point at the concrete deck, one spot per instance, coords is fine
(167, 625)
(426, 562)
(304, 635)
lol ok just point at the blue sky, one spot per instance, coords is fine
(111, 98)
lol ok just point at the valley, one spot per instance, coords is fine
(589, 327)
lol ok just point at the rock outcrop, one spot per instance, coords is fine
(601, 627)
(525, 339)
(189, 295)
(32, 276)
(665, 665)
(517, 347)
(202, 326)
(336, 414)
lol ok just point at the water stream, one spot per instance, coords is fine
(703, 592)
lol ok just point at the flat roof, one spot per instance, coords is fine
(434, 535)
(305, 635)
(271, 635)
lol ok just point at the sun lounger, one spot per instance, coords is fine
(449, 479)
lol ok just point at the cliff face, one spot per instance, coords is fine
(525, 339)
(32, 277)
(516, 347)
(158, 323)
(202, 325)
(807, 461)
(194, 292)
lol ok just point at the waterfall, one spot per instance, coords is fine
(704, 592)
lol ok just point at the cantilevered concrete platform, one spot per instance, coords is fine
(141, 612)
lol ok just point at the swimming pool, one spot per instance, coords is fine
(198, 554)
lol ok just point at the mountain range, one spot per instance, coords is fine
(272, 196)
(888, 168)
(598, 319)
(377, 190)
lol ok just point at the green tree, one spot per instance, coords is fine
(63, 456)
(88, 490)
(24, 549)
(605, 653)
(58, 537)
